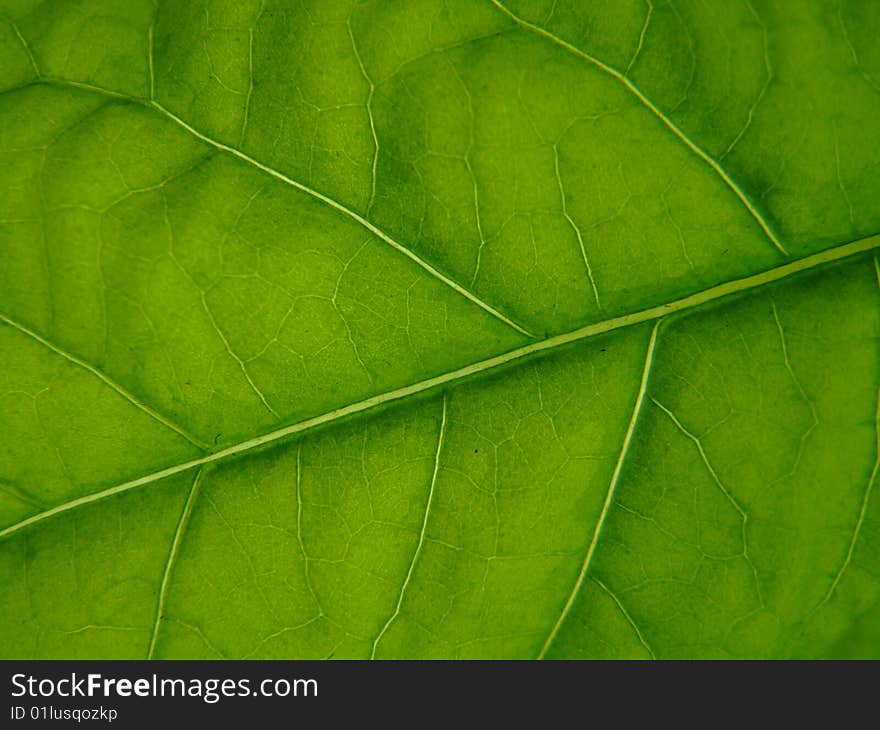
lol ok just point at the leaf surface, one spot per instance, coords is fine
(463, 329)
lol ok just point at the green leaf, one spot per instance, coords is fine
(462, 329)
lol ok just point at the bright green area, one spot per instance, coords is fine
(222, 219)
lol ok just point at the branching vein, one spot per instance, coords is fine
(728, 495)
(672, 126)
(130, 397)
(533, 349)
(627, 616)
(609, 496)
(418, 551)
(172, 557)
(575, 228)
(325, 199)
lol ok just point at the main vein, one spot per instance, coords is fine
(648, 104)
(582, 333)
(609, 496)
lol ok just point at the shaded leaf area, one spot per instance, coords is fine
(414, 330)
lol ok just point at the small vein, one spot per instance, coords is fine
(299, 532)
(609, 496)
(803, 393)
(679, 232)
(627, 616)
(370, 94)
(641, 36)
(478, 219)
(678, 306)
(418, 551)
(247, 556)
(705, 459)
(198, 632)
(672, 126)
(250, 91)
(575, 228)
(27, 48)
(768, 77)
(743, 515)
(172, 557)
(102, 627)
(855, 56)
(470, 169)
(130, 397)
(151, 50)
(241, 364)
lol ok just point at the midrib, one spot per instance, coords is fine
(684, 304)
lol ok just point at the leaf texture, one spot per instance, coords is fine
(467, 329)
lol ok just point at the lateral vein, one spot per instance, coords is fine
(130, 397)
(422, 532)
(692, 301)
(648, 104)
(278, 175)
(27, 48)
(609, 495)
(348, 212)
(172, 557)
